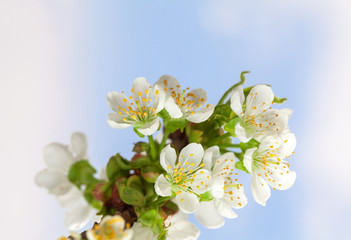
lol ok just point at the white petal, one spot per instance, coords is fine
(183, 230)
(217, 190)
(241, 133)
(191, 154)
(172, 108)
(288, 145)
(224, 165)
(162, 186)
(259, 99)
(77, 218)
(56, 182)
(168, 157)
(210, 157)
(150, 127)
(281, 177)
(116, 100)
(272, 122)
(142, 233)
(201, 181)
(159, 99)
(287, 111)
(116, 121)
(208, 215)
(237, 100)
(70, 198)
(79, 144)
(169, 84)
(224, 209)
(195, 96)
(57, 156)
(201, 115)
(187, 202)
(267, 143)
(139, 86)
(235, 196)
(248, 159)
(260, 190)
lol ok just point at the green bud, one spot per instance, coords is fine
(141, 147)
(81, 173)
(150, 173)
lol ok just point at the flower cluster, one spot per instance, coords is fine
(197, 172)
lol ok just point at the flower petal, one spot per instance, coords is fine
(142, 233)
(57, 156)
(248, 159)
(235, 196)
(201, 181)
(259, 99)
(183, 230)
(79, 145)
(198, 96)
(162, 186)
(55, 181)
(77, 218)
(288, 145)
(240, 132)
(172, 108)
(217, 190)
(210, 157)
(141, 89)
(281, 177)
(224, 165)
(224, 209)
(116, 121)
(70, 198)
(237, 100)
(159, 99)
(117, 101)
(150, 127)
(201, 115)
(187, 202)
(169, 84)
(260, 189)
(168, 157)
(208, 215)
(191, 156)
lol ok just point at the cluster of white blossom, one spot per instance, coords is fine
(199, 178)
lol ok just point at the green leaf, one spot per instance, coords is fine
(175, 123)
(194, 136)
(89, 197)
(140, 162)
(240, 166)
(138, 133)
(250, 144)
(131, 195)
(230, 126)
(164, 114)
(205, 197)
(81, 173)
(279, 100)
(150, 173)
(124, 164)
(114, 171)
(135, 182)
(153, 220)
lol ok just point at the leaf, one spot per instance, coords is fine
(131, 195)
(89, 197)
(230, 126)
(279, 100)
(174, 124)
(240, 166)
(205, 197)
(140, 162)
(153, 220)
(250, 144)
(113, 170)
(81, 173)
(135, 182)
(150, 173)
(164, 114)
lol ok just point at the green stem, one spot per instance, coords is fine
(152, 147)
(218, 139)
(225, 95)
(229, 145)
(164, 139)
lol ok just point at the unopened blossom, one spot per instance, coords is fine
(268, 167)
(181, 103)
(256, 118)
(227, 193)
(110, 228)
(139, 109)
(58, 159)
(178, 228)
(185, 176)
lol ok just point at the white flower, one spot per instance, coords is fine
(110, 228)
(227, 194)
(256, 118)
(73, 236)
(138, 110)
(266, 165)
(178, 228)
(184, 177)
(58, 159)
(189, 105)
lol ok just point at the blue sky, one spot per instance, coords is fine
(64, 56)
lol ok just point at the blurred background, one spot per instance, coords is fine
(58, 60)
